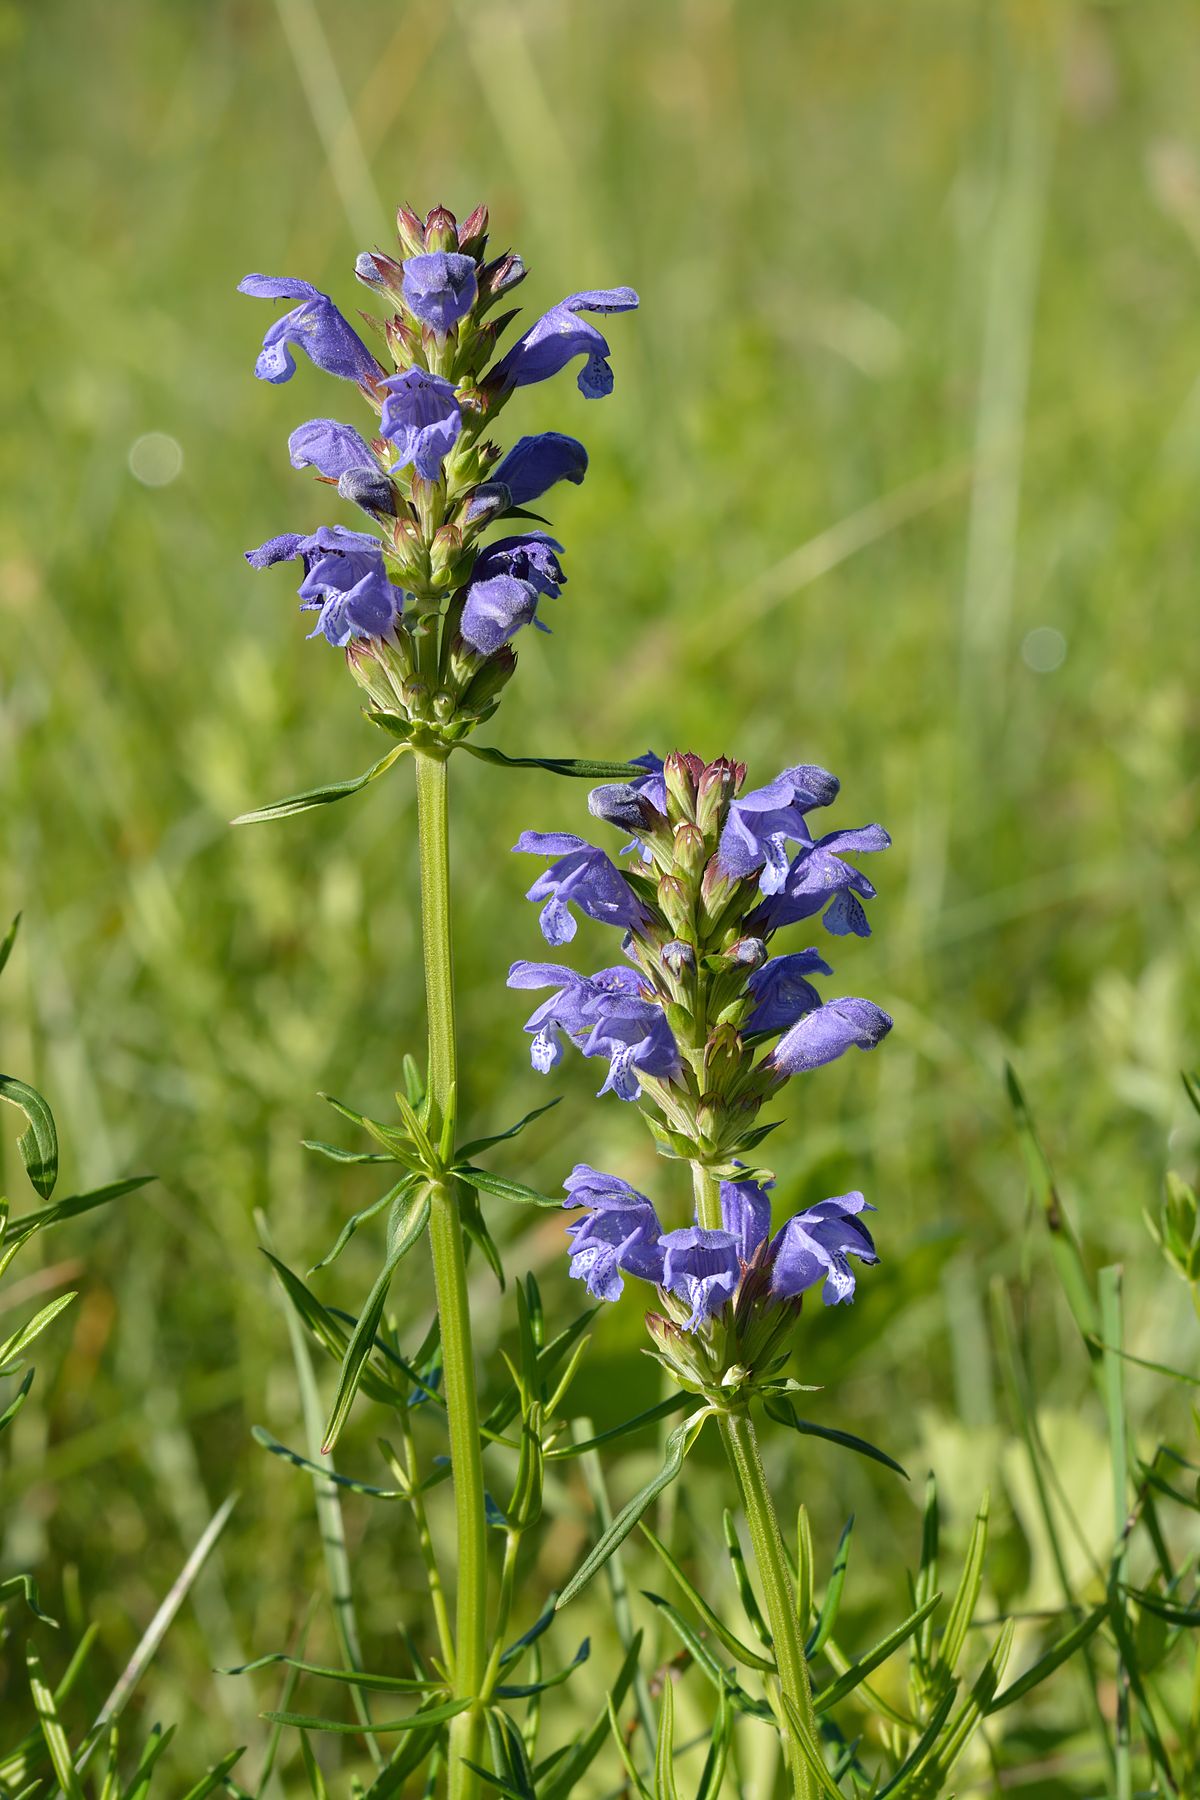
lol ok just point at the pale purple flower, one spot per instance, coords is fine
(559, 336)
(637, 805)
(620, 1232)
(823, 1035)
(816, 1244)
(703, 1267)
(316, 326)
(580, 876)
(781, 992)
(507, 581)
(422, 418)
(605, 1014)
(345, 581)
(761, 823)
(440, 288)
(329, 448)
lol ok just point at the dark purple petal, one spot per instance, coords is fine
(781, 992)
(535, 464)
(495, 610)
(746, 1214)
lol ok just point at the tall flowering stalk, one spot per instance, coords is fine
(701, 1024)
(425, 611)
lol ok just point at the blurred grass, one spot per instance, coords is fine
(915, 376)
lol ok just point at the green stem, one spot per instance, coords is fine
(508, 1577)
(787, 1634)
(450, 1279)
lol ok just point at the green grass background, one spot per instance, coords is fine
(915, 374)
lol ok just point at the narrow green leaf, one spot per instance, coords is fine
(581, 769)
(27, 1587)
(19, 1231)
(634, 1780)
(52, 1730)
(436, 1715)
(477, 1145)
(322, 796)
(740, 1652)
(10, 938)
(784, 1413)
(713, 1773)
(215, 1777)
(827, 1617)
(811, 1751)
(1191, 1083)
(741, 1576)
(805, 1569)
(966, 1596)
(410, 1220)
(401, 1191)
(383, 1684)
(858, 1671)
(335, 1153)
(664, 1751)
(527, 1689)
(1065, 1246)
(333, 1336)
(923, 1745)
(22, 1338)
(673, 1404)
(17, 1402)
(503, 1187)
(702, 1654)
(39, 1144)
(677, 1447)
(1057, 1654)
(263, 1437)
(140, 1780)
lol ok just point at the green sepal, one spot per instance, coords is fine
(322, 796)
(38, 1145)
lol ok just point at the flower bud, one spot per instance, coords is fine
(691, 852)
(472, 233)
(676, 904)
(497, 277)
(441, 230)
(484, 686)
(679, 773)
(748, 953)
(678, 956)
(368, 488)
(403, 342)
(723, 1057)
(716, 788)
(620, 805)
(380, 669)
(487, 502)
(383, 273)
(445, 555)
(410, 231)
(415, 696)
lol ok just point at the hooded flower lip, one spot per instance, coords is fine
(535, 464)
(345, 581)
(816, 1244)
(605, 1014)
(507, 581)
(315, 326)
(579, 876)
(761, 823)
(746, 1214)
(620, 1232)
(701, 1266)
(824, 1034)
(330, 448)
(781, 991)
(422, 418)
(818, 880)
(440, 288)
(559, 336)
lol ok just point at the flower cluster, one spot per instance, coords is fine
(423, 608)
(738, 1276)
(702, 1021)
